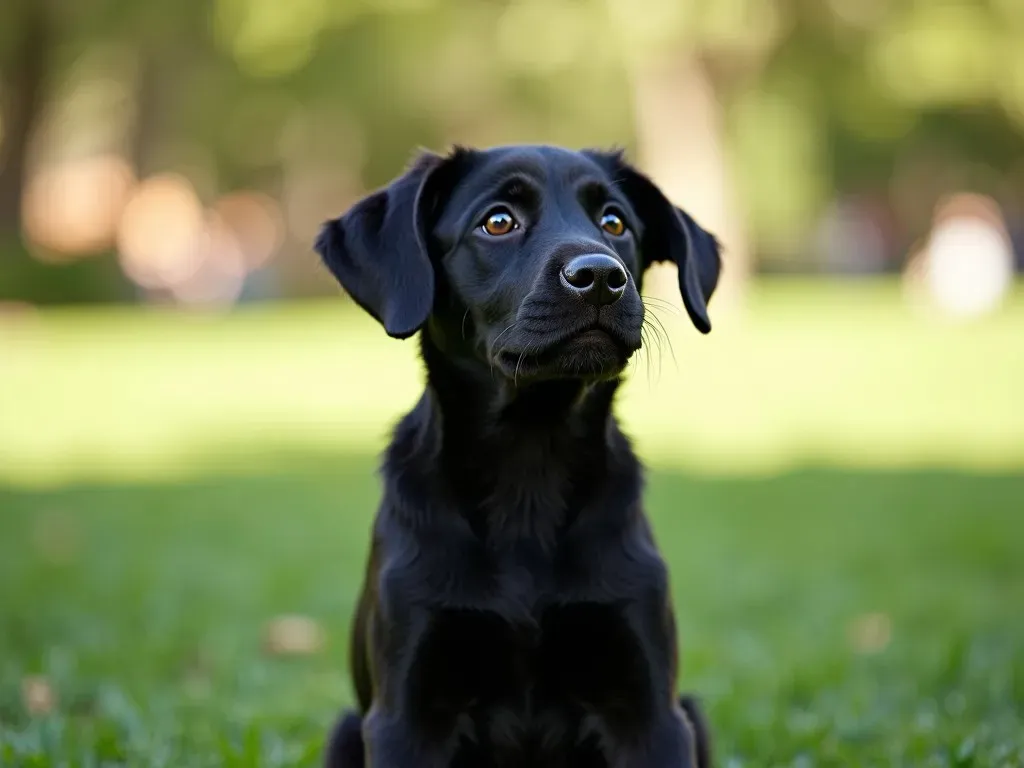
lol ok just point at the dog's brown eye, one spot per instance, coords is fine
(613, 224)
(499, 222)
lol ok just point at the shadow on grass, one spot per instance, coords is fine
(849, 617)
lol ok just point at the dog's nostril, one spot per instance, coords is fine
(579, 278)
(617, 278)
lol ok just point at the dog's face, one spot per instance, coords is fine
(530, 257)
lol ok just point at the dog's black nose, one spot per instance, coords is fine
(596, 278)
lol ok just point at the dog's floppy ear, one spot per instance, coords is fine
(378, 249)
(669, 234)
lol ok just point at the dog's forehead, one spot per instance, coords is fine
(545, 165)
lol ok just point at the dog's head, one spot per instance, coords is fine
(529, 258)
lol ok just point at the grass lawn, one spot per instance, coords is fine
(836, 484)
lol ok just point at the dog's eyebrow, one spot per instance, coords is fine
(592, 192)
(514, 188)
(518, 189)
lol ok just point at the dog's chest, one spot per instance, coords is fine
(523, 688)
(520, 670)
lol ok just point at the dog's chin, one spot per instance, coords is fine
(593, 355)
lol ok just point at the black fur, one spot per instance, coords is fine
(515, 610)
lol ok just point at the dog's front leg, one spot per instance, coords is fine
(669, 742)
(345, 745)
(391, 741)
(698, 721)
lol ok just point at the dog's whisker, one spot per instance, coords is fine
(513, 325)
(668, 339)
(659, 343)
(656, 309)
(657, 331)
(654, 301)
(654, 312)
(494, 345)
(654, 318)
(642, 354)
(515, 376)
(465, 317)
(653, 332)
(658, 299)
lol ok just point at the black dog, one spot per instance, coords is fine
(515, 610)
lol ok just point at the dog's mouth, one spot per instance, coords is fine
(594, 353)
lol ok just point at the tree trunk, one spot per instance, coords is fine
(147, 115)
(160, 73)
(21, 100)
(679, 128)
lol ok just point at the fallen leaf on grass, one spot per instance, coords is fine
(55, 537)
(38, 695)
(870, 632)
(293, 635)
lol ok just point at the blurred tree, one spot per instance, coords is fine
(753, 114)
(685, 59)
(26, 35)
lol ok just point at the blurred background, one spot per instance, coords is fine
(185, 152)
(190, 408)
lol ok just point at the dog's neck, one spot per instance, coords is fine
(518, 461)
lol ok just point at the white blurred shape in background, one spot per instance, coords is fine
(966, 266)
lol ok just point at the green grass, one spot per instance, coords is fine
(168, 486)
(145, 605)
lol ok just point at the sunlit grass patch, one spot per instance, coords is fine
(840, 374)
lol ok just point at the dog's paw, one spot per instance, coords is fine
(345, 745)
(699, 724)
